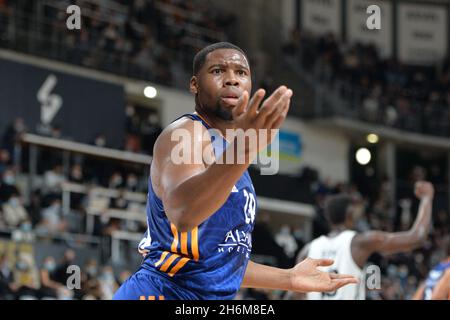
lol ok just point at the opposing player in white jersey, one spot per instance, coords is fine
(350, 250)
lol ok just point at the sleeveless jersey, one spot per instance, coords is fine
(433, 278)
(338, 248)
(210, 260)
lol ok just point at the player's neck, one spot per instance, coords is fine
(215, 122)
(335, 230)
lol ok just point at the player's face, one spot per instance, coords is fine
(221, 81)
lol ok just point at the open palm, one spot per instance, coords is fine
(307, 278)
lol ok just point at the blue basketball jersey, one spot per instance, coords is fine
(433, 278)
(209, 261)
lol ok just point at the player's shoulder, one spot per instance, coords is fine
(183, 128)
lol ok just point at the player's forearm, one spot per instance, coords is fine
(422, 223)
(200, 196)
(266, 277)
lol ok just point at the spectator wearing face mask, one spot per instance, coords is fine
(49, 288)
(116, 181)
(52, 220)
(8, 186)
(26, 277)
(14, 213)
(108, 283)
(132, 182)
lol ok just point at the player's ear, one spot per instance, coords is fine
(193, 85)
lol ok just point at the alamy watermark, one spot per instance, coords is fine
(73, 22)
(74, 280)
(189, 150)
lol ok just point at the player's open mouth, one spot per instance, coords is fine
(230, 100)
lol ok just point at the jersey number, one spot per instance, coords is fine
(250, 207)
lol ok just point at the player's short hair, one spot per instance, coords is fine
(336, 208)
(200, 57)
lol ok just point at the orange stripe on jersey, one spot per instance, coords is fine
(194, 243)
(169, 261)
(175, 238)
(203, 119)
(180, 264)
(184, 243)
(163, 256)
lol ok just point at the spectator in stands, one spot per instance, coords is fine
(14, 213)
(91, 269)
(123, 276)
(5, 160)
(8, 186)
(286, 240)
(50, 288)
(132, 183)
(108, 283)
(60, 274)
(26, 277)
(116, 181)
(6, 278)
(52, 220)
(53, 180)
(12, 134)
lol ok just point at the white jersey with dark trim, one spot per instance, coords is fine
(338, 248)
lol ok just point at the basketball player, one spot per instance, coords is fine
(437, 284)
(350, 250)
(200, 216)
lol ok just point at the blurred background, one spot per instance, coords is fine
(80, 111)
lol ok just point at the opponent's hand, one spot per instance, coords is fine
(305, 277)
(271, 115)
(424, 189)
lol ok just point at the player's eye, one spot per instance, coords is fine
(242, 72)
(217, 71)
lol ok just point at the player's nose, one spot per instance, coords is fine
(230, 79)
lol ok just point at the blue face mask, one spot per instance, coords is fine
(50, 266)
(22, 266)
(14, 202)
(9, 180)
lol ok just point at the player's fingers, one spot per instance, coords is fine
(241, 105)
(342, 276)
(323, 262)
(255, 101)
(279, 109)
(276, 95)
(280, 119)
(338, 283)
(270, 103)
(271, 109)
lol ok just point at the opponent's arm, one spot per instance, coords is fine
(364, 244)
(304, 277)
(193, 192)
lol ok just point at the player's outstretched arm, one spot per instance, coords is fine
(304, 277)
(364, 244)
(191, 193)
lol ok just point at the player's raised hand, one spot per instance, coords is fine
(305, 277)
(248, 115)
(424, 189)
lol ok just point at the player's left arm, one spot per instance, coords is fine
(304, 277)
(442, 289)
